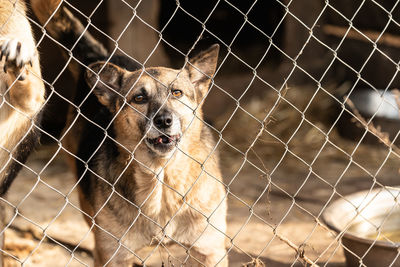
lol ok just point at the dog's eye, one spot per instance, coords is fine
(139, 99)
(177, 93)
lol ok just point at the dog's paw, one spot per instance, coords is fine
(16, 56)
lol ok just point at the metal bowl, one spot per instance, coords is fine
(368, 223)
(378, 103)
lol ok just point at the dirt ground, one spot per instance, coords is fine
(44, 209)
(279, 185)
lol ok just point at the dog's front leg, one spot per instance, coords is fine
(111, 252)
(209, 249)
(217, 258)
(208, 258)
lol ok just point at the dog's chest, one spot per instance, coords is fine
(158, 196)
(150, 230)
(163, 204)
(159, 210)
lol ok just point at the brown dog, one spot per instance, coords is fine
(145, 161)
(21, 94)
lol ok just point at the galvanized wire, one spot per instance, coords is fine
(221, 140)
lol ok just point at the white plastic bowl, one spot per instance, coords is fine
(369, 225)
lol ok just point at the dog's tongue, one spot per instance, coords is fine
(165, 139)
(162, 139)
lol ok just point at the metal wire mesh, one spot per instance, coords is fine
(282, 165)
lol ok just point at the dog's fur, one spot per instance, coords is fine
(146, 163)
(21, 92)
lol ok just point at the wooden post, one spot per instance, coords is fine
(138, 40)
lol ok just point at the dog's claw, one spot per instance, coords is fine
(19, 47)
(5, 68)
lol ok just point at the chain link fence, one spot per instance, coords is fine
(303, 110)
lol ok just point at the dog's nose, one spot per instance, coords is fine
(163, 120)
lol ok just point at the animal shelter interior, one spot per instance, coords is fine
(202, 133)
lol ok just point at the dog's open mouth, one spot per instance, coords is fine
(164, 142)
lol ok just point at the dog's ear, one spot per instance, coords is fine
(201, 69)
(107, 83)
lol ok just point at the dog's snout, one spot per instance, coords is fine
(163, 120)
